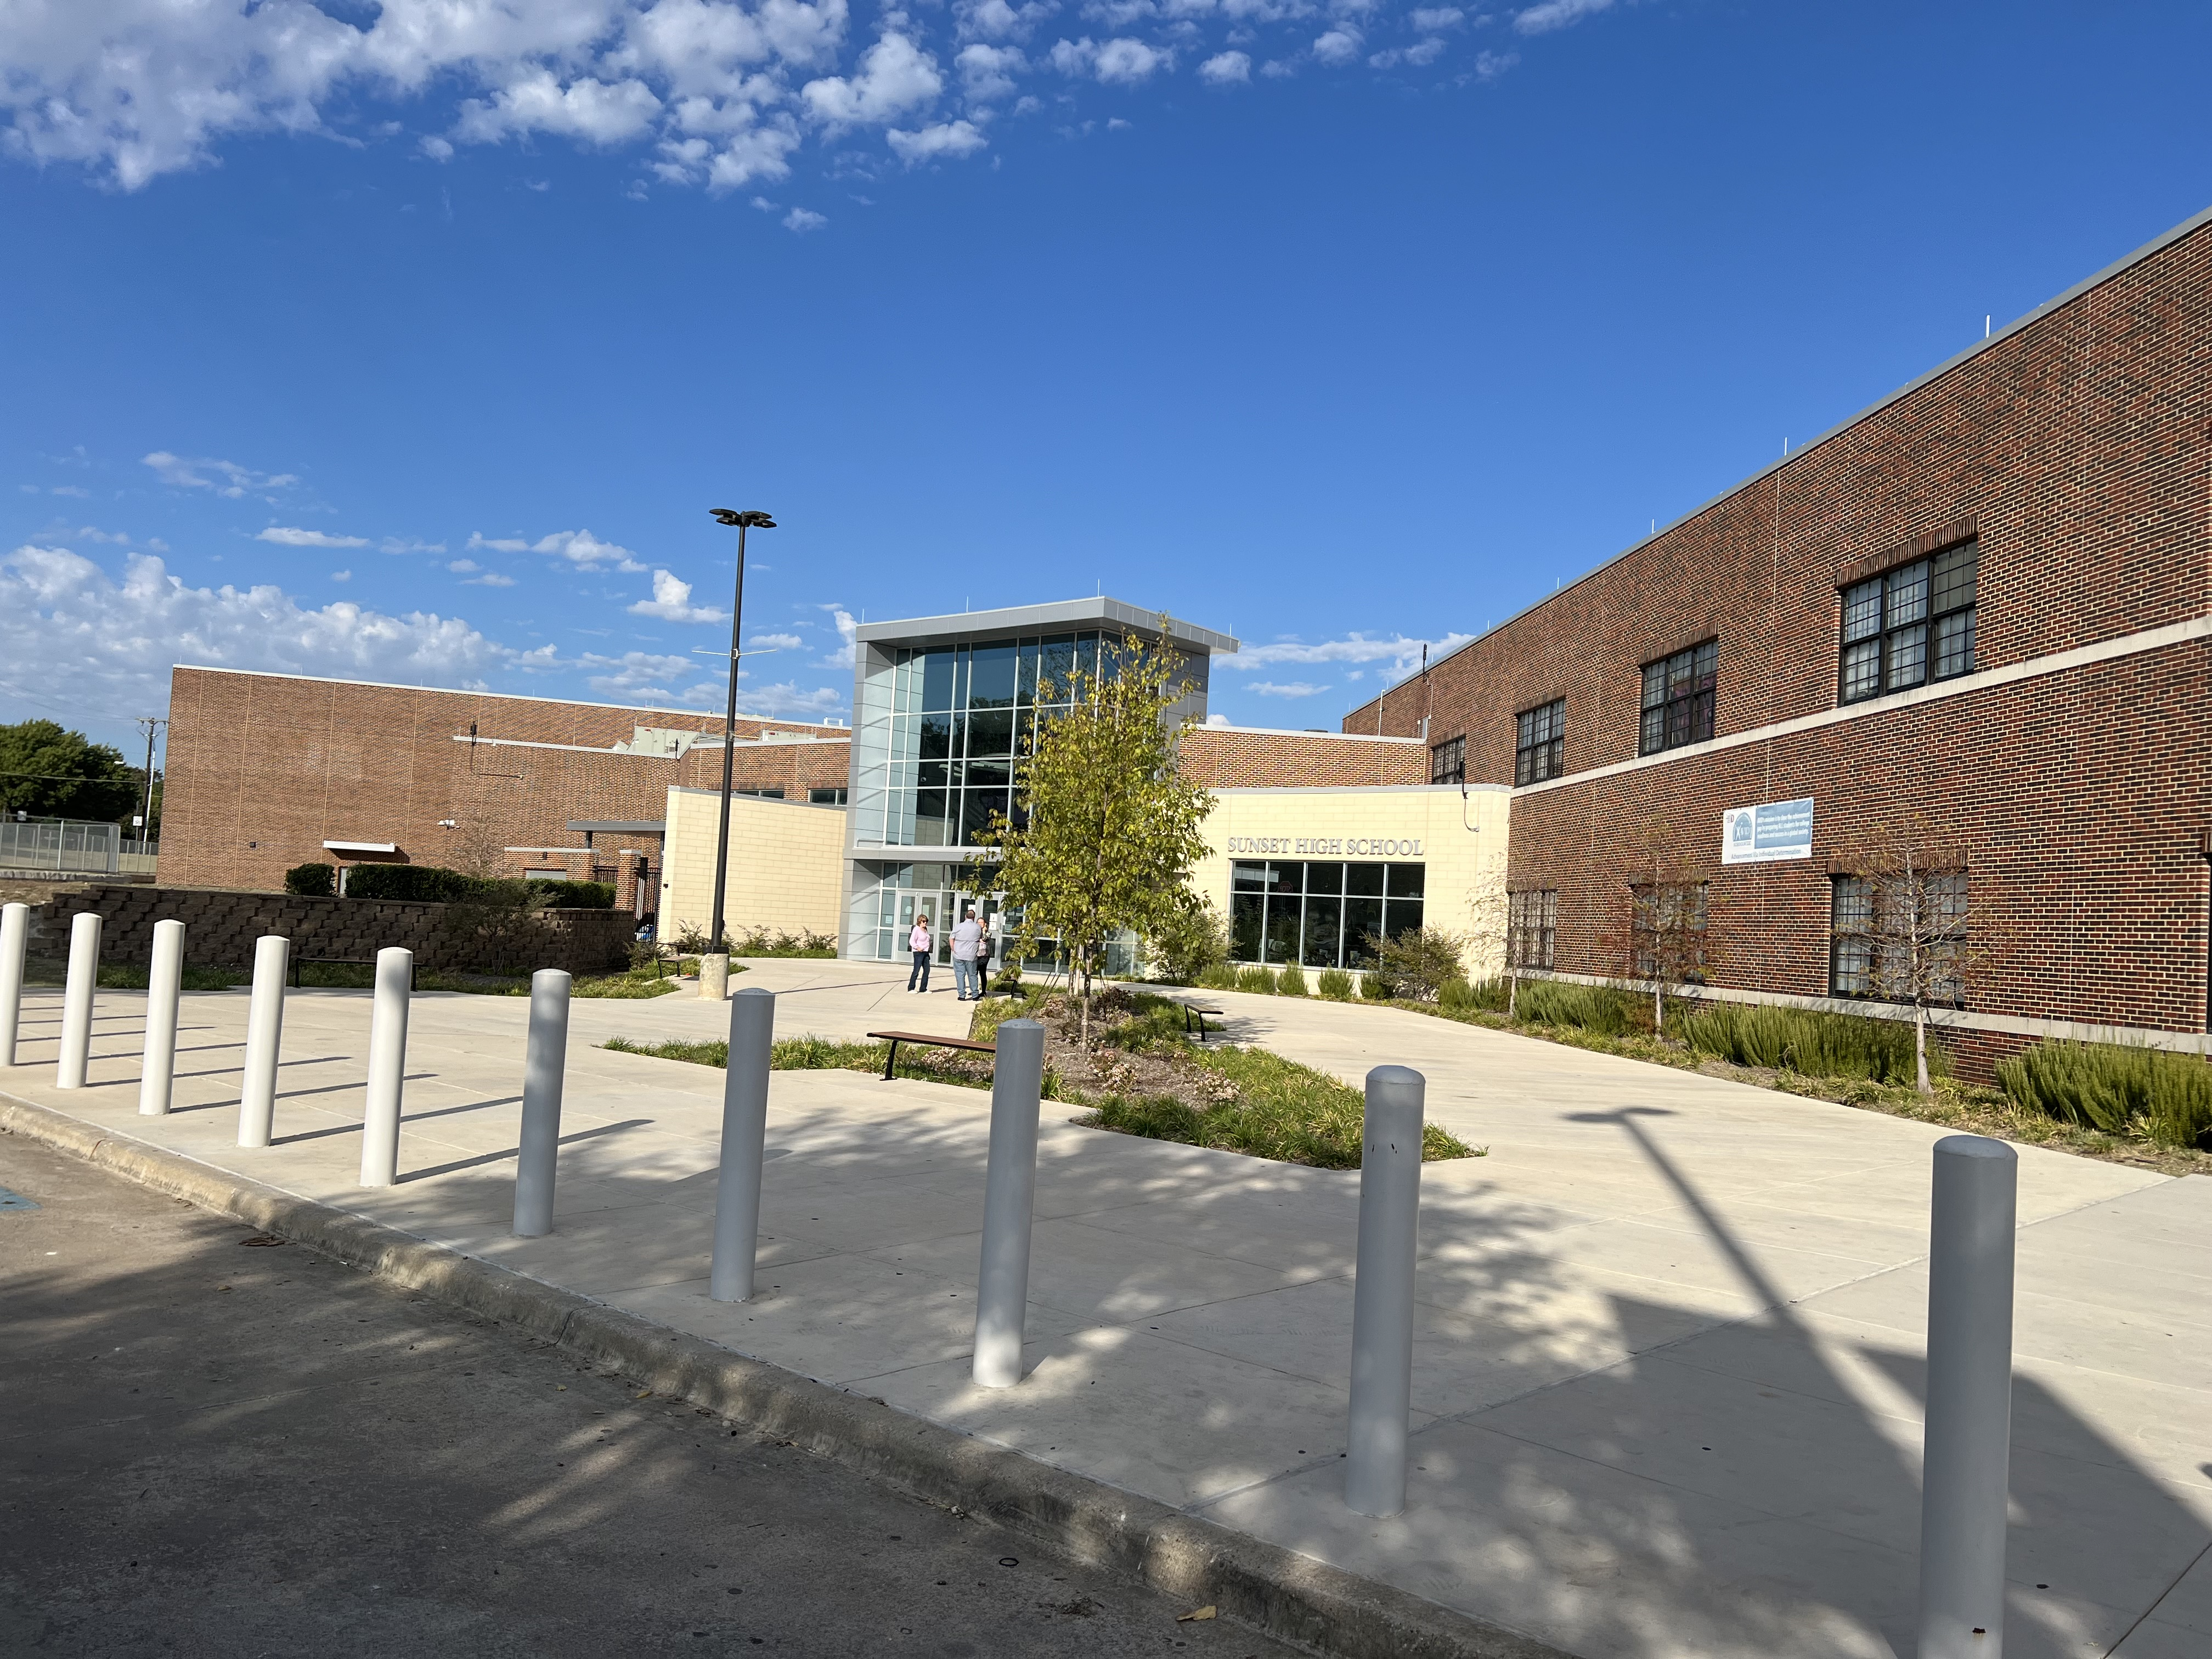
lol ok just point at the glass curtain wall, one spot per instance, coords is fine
(1321, 915)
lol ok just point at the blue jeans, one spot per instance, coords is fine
(920, 971)
(966, 977)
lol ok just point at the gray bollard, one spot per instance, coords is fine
(14, 935)
(1968, 1439)
(1002, 1286)
(1382, 1291)
(544, 1068)
(744, 1135)
(264, 1036)
(157, 1072)
(387, 1067)
(76, 1002)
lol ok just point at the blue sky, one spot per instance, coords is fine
(413, 341)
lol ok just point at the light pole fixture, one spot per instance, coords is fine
(716, 945)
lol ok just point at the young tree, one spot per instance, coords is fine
(1902, 910)
(1661, 938)
(1111, 823)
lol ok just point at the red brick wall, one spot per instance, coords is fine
(263, 768)
(1225, 757)
(2078, 447)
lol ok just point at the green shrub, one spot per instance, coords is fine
(425, 883)
(1334, 984)
(1604, 1010)
(1413, 965)
(1808, 1042)
(573, 895)
(1184, 947)
(1291, 981)
(2121, 1090)
(311, 880)
(1222, 976)
(1256, 978)
(759, 942)
(1456, 996)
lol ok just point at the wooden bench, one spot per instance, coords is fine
(299, 962)
(1195, 1011)
(896, 1037)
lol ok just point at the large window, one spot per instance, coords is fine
(1677, 698)
(1899, 938)
(1667, 930)
(1448, 761)
(1532, 928)
(1539, 743)
(1321, 915)
(1909, 626)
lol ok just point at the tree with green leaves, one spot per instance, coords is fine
(1110, 828)
(50, 772)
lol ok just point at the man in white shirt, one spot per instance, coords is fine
(966, 977)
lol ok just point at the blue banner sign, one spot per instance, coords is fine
(1761, 835)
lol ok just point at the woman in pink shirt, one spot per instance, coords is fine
(922, 945)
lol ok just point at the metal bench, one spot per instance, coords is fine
(896, 1037)
(299, 962)
(1194, 1010)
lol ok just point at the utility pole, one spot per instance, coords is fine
(150, 725)
(714, 966)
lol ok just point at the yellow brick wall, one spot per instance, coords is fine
(785, 863)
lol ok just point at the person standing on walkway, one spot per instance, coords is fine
(922, 945)
(967, 975)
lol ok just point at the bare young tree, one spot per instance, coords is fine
(1902, 913)
(1660, 938)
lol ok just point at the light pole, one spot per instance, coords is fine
(715, 967)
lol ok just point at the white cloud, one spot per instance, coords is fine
(578, 547)
(77, 490)
(341, 575)
(1558, 14)
(802, 219)
(398, 545)
(671, 602)
(1402, 654)
(464, 567)
(1429, 20)
(1338, 47)
(994, 20)
(231, 480)
(947, 140)
(1294, 689)
(489, 579)
(848, 636)
(101, 642)
(1421, 54)
(635, 674)
(1123, 61)
(1226, 68)
(592, 110)
(895, 75)
(988, 72)
(773, 642)
(785, 700)
(284, 536)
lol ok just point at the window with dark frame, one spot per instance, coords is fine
(1666, 930)
(1871, 929)
(1532, 928)
(1909, 626)
(1677, 698)
(1448, 761)
(1539, 743)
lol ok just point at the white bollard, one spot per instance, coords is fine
(264, 1036)
(15, 936)
(1002, 1286)
(744, 1135)
(76, 1002)
(544, 1068)
(387, 1067)
(1382, 1291)
(1968, 1438)
(165, 979)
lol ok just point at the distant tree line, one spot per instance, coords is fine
(48, 771)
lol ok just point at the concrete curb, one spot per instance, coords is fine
(1292, 1597)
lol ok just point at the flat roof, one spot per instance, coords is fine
(1099, 611)
(2157, 244)
(619, 826)
(1304, 732)
(511, 696)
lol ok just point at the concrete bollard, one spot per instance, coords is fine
(744, 1135)
(76, 1002)
(1382, 1291)
(264, 1036)
(15, 936)
(157, 1072)
(544, 1069)
(1968, 1438)
(387, 1067)
(714, 977)
(1002, 1286)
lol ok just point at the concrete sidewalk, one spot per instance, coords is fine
(1667, 1375)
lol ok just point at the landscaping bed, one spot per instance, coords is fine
(362, 976)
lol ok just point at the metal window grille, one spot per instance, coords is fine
(1532, 927)
(1539, 743)
(1909, 626)
(1679, 695)
(1876, 925)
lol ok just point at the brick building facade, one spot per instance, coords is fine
(2054, 732)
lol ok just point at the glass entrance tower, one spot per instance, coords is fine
(943, 709)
